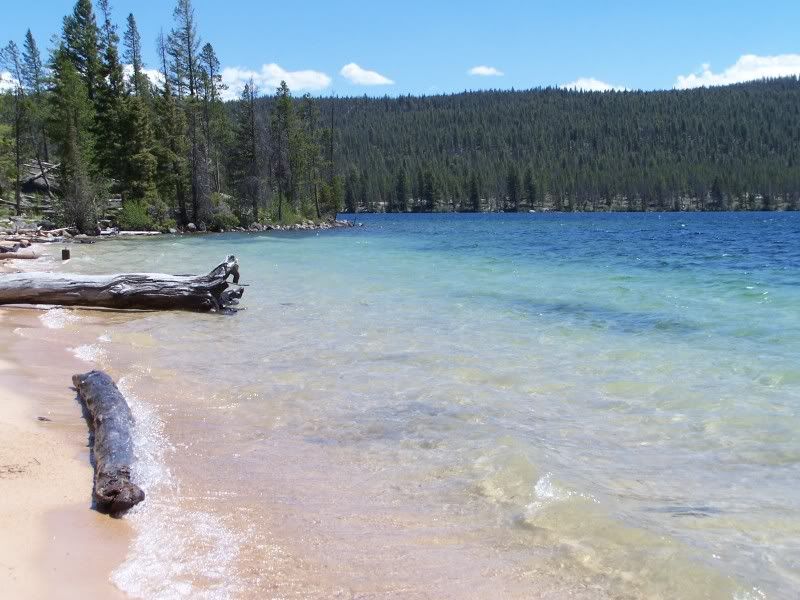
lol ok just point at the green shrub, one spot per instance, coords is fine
(223, 218)
(135, 216)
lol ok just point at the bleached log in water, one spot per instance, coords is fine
(151, 291)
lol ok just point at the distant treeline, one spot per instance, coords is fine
(723, 148)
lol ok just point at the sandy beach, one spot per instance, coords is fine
(54, 544)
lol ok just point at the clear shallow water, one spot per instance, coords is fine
(471, 406)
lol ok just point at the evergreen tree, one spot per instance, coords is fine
(215, 125)
(716, 195)
(10, 59)
(337, 195)
(429, 191)
(474, 194)
(72, 119)
(282, 126)
(530, 188)
(246, 150)
(109, 100)
(184, 49)
(310, 150)
(80, 44)
(139, 152)
(133, 55)
(35, 80)
(400, 192)
(171, 143)
(512, 190)
(350, 200)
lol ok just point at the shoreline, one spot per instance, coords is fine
(54, 541)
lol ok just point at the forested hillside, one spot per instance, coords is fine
(722, 148)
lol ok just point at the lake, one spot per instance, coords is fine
(468, 406)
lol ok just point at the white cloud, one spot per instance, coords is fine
(155, 76)
(747, 68)
(360, 76)
(270, 77)
(590, 84)
(484, 71)
(7, 82)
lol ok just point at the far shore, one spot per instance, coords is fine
(54, 544)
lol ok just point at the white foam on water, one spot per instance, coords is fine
(58, 318)
(90, 353)
(176, 553)
(547, 492)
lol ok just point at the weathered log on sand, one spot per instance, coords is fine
(22, 253)
(150, 291)
(111, 423)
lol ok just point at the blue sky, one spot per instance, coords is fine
(425, 47)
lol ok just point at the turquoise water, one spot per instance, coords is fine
(483, 406)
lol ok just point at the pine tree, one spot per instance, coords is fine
(170, 142)
(337, 195)
(109, 100)
(184, 49)
(246, 150)
(512, 190)
(133, 55)
(474, 194)
(80, 37)
(215, 122)
(430, 192)
(400, 192)
(71, 123)
(282, 126)
(35, 80)
(310, 150)
(138, 150)
(530, 188)
(10, 59)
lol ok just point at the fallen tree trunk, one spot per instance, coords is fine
(22, 253)
(130, 290)
(111, 423)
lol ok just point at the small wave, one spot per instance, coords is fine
(176, 553)
(547, 492)
(58, 318)
(90, 353)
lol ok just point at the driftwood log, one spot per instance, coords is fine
(151, 291)
(22, 253)
(111, 422)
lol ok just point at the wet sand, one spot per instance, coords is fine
(54, 545)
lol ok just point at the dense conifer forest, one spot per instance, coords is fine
(724, 148)
(85, 128)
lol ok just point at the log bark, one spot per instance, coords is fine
(149, 291)
(111, 422)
